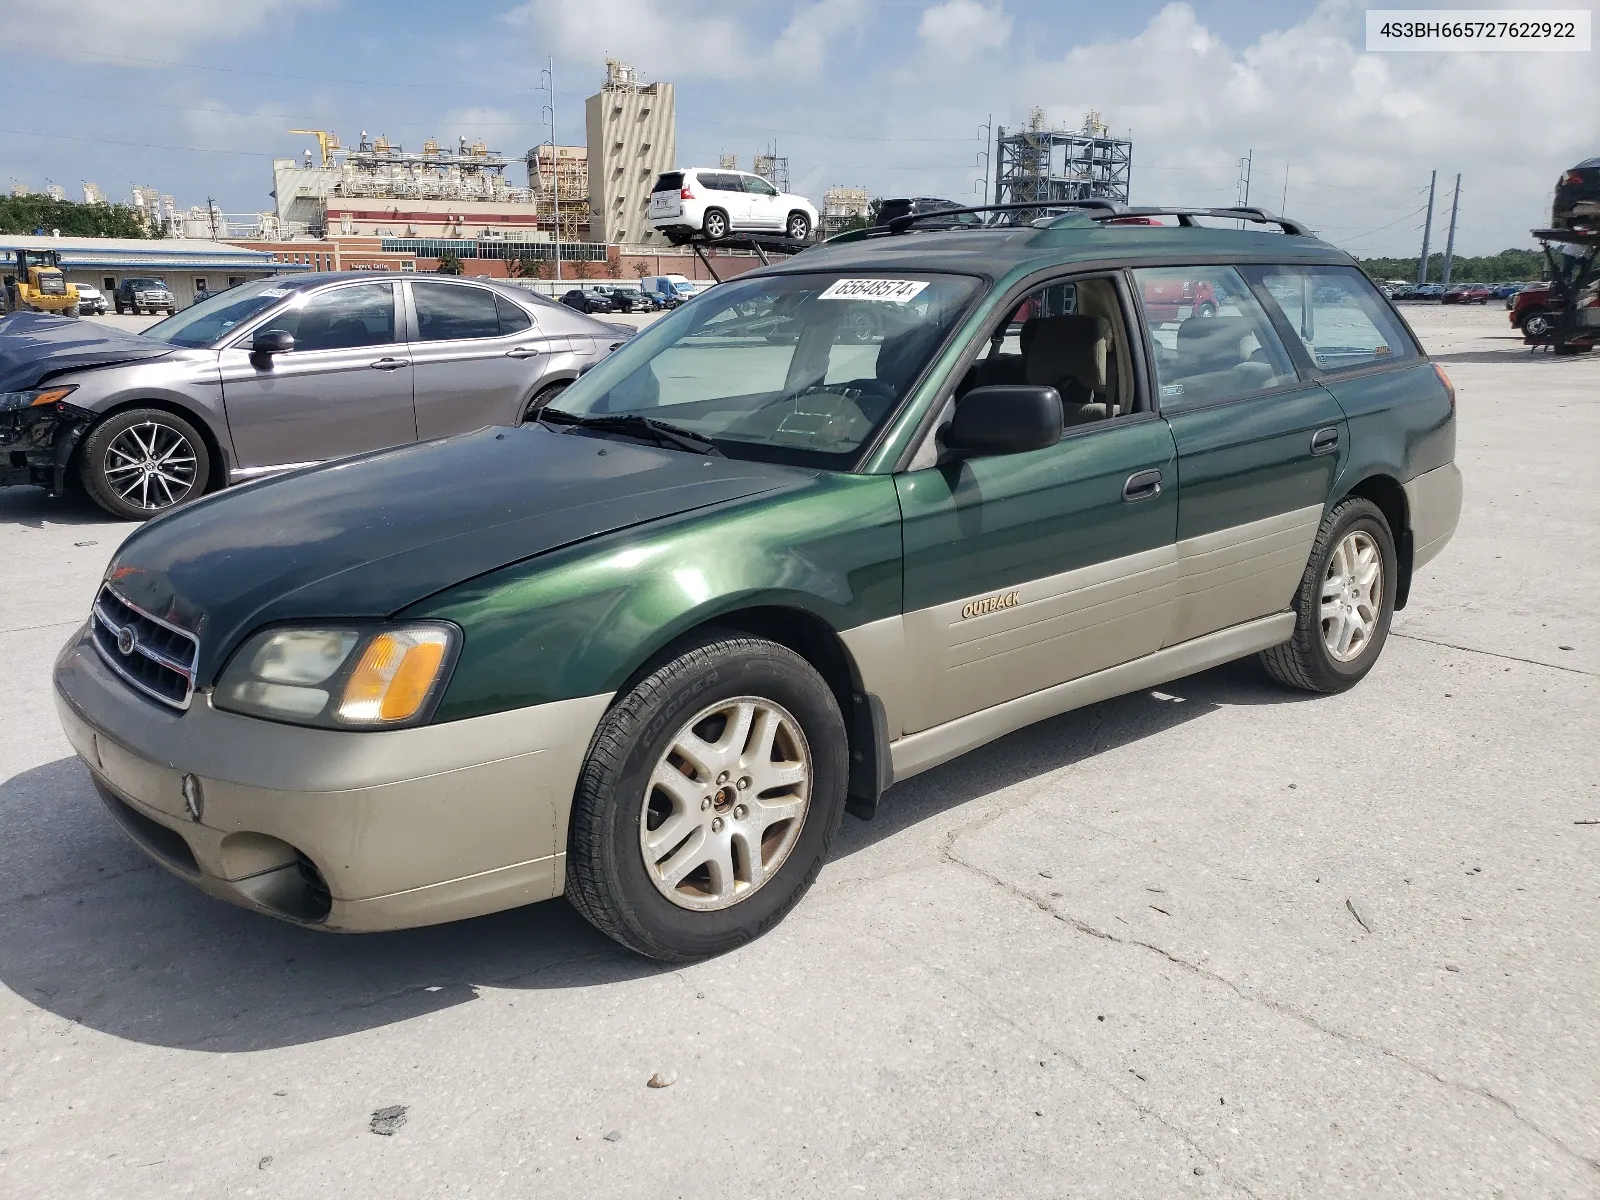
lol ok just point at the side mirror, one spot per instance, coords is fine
(1006, 418)
(272, 341)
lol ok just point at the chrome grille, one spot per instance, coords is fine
(147, 653)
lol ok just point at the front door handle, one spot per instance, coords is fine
(1325, 441)
(1142, 485)
(389, 364)
(522, 352)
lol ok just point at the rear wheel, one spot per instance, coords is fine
(715, 224)
(542, 400)
(143, 462)
(1344, 605)
(709, 800)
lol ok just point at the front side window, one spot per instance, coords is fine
(1211, 339)
(344, 318)
(758, 186)
(799, 369)
(448, 313)
(1337, 315)
(215, 317)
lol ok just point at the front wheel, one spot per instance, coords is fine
(1344, 604)
(143, 462)
(799, 226)
(1206, 309)
(709, 800)
(1537, 325)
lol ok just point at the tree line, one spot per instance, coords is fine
(33, 213)
(1509, 266)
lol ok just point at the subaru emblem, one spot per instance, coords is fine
(193, 798)
(127, 639)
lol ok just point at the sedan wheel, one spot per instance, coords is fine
(143, 462)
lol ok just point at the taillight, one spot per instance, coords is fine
(686, 194)
(1571, 179)
(1450, 388)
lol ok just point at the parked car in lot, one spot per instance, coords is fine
(648, 649)
(1167, 299)
(589, 300)
(1466, 293)
(623, 299)
(144, 296)
(91, 299)
(273, 375)
(1506, 291)
(664, 299)
(717, 203)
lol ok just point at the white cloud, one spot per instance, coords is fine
(1344, 120)
(688, 39)
(127, 28)
(959, 29)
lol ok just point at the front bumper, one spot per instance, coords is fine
(36, 444)
(347, 831)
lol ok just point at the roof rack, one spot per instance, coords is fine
(1112, 210)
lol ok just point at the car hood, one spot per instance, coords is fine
(369, 536)
(35, 346)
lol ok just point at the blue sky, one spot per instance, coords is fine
(196, 96)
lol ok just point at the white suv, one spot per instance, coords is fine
(717, 203)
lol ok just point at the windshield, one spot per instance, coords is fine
(202, 324)
(798, 369)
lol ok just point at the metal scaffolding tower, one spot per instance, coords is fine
(1052, 164)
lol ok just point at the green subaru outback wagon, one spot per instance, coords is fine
(834, 523)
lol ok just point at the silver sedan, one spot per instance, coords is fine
(283, 373)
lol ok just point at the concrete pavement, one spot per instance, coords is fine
(1218, 939)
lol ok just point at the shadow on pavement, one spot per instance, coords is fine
(34, 507)
(113, 943)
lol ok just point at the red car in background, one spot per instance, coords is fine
(1466, 293)
(1165, 300)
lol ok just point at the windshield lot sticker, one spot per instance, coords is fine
(274, 291)
(890, 291)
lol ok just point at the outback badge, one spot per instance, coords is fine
(989, 604)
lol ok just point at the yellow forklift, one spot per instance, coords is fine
(36, 283)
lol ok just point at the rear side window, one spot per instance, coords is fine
(449, 313)
(1337, 316)
(512, 318)
(1211, 339)
(672, 181)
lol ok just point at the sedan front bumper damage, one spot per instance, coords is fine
(36, 444)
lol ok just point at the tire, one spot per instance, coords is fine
(1206, 309)
(72, 312)
(119, 310)
(608, 878)
(1537, 325)
(172, 312)
(676, 236)
(715, 224)
(1306, 661)
(798, 226)
(543, 398)
(103, 465)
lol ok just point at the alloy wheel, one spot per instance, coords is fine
(150, 466)
(1352, 596)
(725, 803)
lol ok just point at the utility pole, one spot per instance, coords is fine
(211, 212)
(1450, 242)
(549, 85)
(1283, 205)
(1427, 233)
(987, 128)
(1245, 164)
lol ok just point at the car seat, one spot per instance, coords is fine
(1069, 354)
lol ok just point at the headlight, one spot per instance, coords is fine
(340, 677)
(34, 396)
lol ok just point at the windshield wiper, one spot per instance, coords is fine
(636, 425)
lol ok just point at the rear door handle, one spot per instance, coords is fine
(389, 364)
(1142, 485)
(1325, 441)
(522, 352)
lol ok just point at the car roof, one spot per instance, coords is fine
(998, 251)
